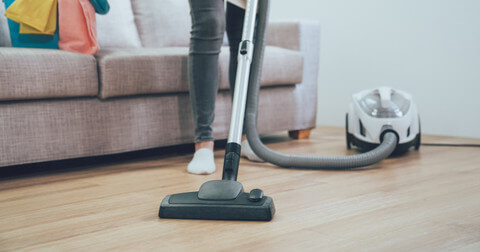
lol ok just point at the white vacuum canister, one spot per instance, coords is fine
(373, 112)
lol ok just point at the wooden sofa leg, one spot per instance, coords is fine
(300, 134)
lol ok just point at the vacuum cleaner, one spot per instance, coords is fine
(379, 121)
(225, 199)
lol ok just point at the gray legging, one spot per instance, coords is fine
(208, 28)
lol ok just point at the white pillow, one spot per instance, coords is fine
(117, 28)
(4, 33)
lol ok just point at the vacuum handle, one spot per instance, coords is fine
(245, 54)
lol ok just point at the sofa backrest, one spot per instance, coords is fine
(162, 23)
(4, 33)
(145, 23)
(155, 23)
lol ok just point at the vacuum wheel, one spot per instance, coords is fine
(347, 135)
(419, 136)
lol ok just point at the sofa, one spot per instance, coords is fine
(133, 94)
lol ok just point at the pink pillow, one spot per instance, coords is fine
(77, 27)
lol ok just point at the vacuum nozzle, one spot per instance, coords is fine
(214, 201)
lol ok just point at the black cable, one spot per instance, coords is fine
(451, 145)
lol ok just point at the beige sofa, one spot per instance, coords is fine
(57, 105)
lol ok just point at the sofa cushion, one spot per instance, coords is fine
(164, 70)
(162, 23)
(42, 73)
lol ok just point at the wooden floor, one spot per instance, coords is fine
(427, 200)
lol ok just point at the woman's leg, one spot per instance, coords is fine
(234, 20)
(208, 28)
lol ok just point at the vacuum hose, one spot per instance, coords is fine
(384, 150)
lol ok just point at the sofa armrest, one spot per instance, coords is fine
(303, 36)
(290, 34)
(285, 34)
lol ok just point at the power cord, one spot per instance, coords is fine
(451, 145)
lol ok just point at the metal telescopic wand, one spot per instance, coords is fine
(245, 54)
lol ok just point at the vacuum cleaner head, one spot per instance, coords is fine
(218, 200)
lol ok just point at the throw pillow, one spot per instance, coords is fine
(117, 29)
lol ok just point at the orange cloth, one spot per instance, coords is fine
(77, 26)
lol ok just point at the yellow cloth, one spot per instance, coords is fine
(34, 16)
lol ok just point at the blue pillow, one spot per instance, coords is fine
(30, 40)
(101, 6)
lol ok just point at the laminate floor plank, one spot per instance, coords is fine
(426, 200)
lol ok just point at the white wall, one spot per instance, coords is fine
(429, 48)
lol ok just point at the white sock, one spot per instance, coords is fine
(248, 153)
(202, 162)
